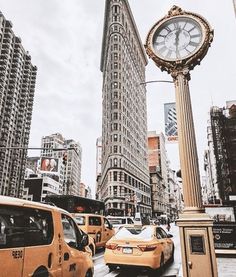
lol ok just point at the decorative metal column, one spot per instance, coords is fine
(187, 143)
(177, 43)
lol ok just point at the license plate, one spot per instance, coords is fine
(127, 250)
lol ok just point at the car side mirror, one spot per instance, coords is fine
(84, 240)
(72, 244)
(169, 236)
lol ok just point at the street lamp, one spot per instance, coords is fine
(177, 43)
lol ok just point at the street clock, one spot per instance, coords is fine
(180, 39)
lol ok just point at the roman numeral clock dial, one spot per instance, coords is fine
(177, 38)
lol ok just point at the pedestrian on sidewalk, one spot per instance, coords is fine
(168, 225)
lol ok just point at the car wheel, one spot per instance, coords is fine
(162, 264)
(112, 268)
(159, 271)
(41, 272)
(92, 249)
(89, 274)
(172, 255)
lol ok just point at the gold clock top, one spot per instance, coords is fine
(179, 40)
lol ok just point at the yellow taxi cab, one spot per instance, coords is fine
(96, 226)
(147, 247)
(41, 240)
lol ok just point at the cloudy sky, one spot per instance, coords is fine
(64, 39)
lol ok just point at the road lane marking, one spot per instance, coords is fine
(112, 274)
(98, 257)
(97, 266)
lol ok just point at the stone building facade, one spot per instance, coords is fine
(124, 183)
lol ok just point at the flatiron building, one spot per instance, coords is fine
(124, 183)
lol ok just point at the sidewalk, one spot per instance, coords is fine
(226, 266)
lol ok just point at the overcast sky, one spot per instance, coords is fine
(64, 39)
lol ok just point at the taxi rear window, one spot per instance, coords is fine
(80, 220)
(144, 233)
(22, 227)
(117, 220)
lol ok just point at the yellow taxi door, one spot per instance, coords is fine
(11, 261)
(41, 248)
(108, 230)
(73, 261)
(11, 243)
(95, 229)
(162, 236)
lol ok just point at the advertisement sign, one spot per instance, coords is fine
(224, 227)
(171, 130)
(224, 235)
(49, 164)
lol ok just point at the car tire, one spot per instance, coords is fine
(159, 271)
(89, 274)
(171, 260)
(112, 267)
(92, 249)
(41, 272)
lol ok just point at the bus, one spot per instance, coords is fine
(76, 204)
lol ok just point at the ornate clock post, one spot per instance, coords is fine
(177, 43)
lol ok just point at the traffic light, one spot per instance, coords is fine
(64, 158)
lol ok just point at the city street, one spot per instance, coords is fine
(171, 270)
(226, 265)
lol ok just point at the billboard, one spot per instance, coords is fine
(49, 164)
(171, 130)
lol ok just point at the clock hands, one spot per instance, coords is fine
(177, 33)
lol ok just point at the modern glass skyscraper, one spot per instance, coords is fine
(17, 86)
(124, 183)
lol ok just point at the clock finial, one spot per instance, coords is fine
(175, 10)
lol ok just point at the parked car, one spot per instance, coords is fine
(41, 240)
(146, 247)
(96, 226)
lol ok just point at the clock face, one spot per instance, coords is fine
(177, 38)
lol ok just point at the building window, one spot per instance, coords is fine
(115, 105)
(115, 176)
(115, 116)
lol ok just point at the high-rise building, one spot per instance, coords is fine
(223, 136)
(234, 4)
(124, 184)
(158, 170)
(17, 86)
(69, 173)
(98, 166)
